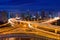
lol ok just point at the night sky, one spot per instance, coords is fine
(35, 5)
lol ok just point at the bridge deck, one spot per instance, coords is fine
(26, 30)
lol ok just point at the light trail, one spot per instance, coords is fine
(40, 31)
(52, 20)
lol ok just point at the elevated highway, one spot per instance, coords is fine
(33, 28)
(52, 20)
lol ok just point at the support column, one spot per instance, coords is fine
(32, 39)
(11, 38)
(17, 38)
(1, 38)
(6, 38)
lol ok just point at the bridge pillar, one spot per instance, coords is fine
(56, 31)
(6, 38)
(1, 38)
(17, 38)
(32, 39)
(11, 38)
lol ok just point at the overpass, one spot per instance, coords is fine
(31, 28)
(52, 20)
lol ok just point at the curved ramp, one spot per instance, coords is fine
(18, 29)
(52, 20)
(4, 24)
(46, 33)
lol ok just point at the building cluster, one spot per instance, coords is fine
(34, 15)
(28, 15)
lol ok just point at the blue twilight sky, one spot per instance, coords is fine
(30, 4)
